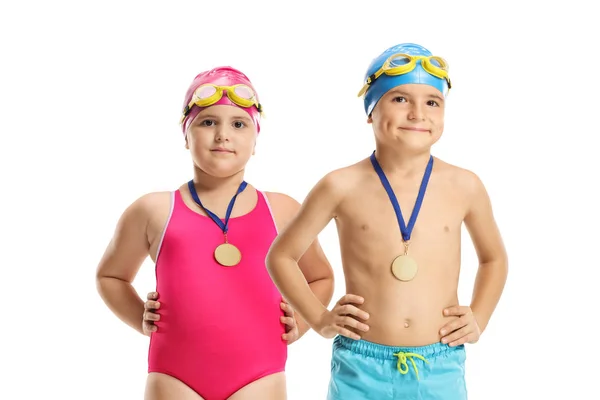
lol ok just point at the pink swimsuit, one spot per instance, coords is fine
(220, 327)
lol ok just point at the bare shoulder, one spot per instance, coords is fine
(149, 203)
(145, 210)
(347, 178)
(337, 184)
(133, 235)
(327, 192)
(465, 180)
(283, 208)
(282, 201)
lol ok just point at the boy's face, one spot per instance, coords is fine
(410, 115)
(221, 140)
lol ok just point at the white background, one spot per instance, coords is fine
(90, 98)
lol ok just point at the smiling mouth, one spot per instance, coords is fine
(414, 129)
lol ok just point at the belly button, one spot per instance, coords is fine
(406, 324)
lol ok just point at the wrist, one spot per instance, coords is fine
(478, 319)
(317, 322)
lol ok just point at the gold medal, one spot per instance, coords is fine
(404, 268)
(228, 255)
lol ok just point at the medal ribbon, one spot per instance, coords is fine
(223, 225)
(405, 230)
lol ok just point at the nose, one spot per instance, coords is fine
(416, 112)
(221, 133)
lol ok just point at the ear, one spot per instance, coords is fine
(187, 145)
(370, 119)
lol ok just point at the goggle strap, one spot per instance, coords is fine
(363, 90)
(372, 78)
(369, 81)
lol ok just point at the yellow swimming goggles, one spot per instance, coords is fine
(209, 94)
(400, 64)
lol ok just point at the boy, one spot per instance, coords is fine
(400, 330)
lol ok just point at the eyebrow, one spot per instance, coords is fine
(429, 96)
(207, 116)
(437, 97)
(212, 116)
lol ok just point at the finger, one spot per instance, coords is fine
(452, 326)
(348, 309)
(291, 334)
(151, 305)
(288, 321)
(460, 341)
(346, 332)
(152, 296)
(457, 310)
(289, 310)
(150, 316)
(149, 327)
(351, 299)
(456, 335)
(351, 322)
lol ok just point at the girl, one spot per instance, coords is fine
(222, 329)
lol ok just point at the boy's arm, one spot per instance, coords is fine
(491, 274)
(493, 261)
(292, 243)
(120, 263)
(314, 264)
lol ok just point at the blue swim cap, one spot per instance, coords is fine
(386, 82)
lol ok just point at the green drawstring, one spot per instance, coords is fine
(403, 365)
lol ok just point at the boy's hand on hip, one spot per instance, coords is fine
(461, 330)
(344, 314)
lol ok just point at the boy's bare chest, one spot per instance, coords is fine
(371, 212)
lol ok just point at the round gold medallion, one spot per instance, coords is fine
(404, 268)
(227, 255)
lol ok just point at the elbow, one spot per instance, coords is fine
(329, 290)
(101, 283)
(105, 283)
(497, 259)
(270, 261)
(497, 265)
(99, 278)
(276, 261)
(502, 262)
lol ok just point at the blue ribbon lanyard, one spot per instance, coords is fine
(405, 230)
(223, 225)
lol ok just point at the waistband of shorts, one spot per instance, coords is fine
(388, 352)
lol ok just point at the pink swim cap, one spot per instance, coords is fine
(223, 76)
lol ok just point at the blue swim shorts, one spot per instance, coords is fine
(362, 370)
